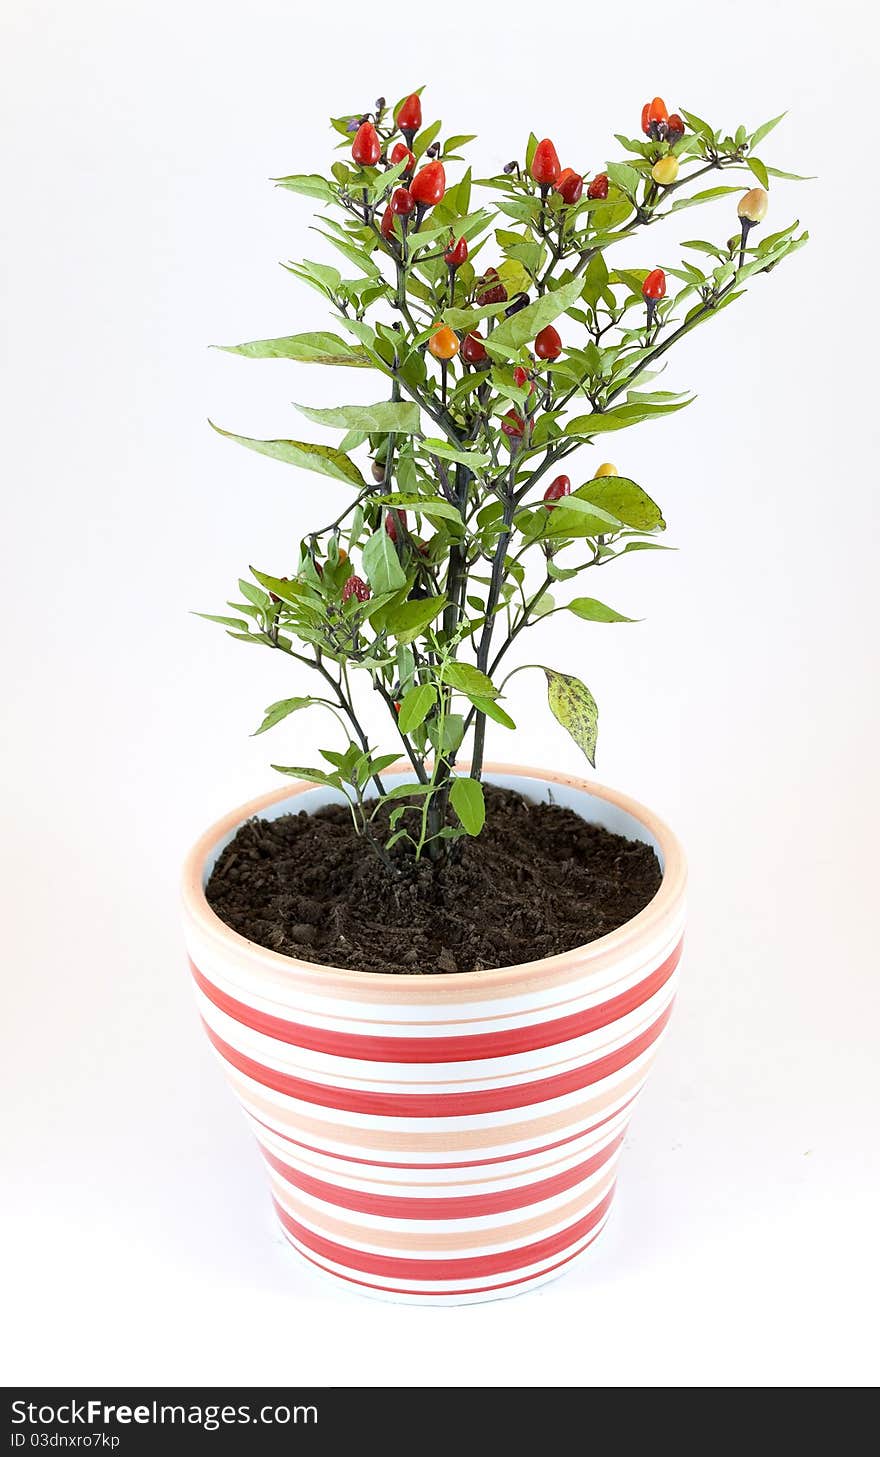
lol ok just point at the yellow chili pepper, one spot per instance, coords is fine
(753, 206)
(666, 170)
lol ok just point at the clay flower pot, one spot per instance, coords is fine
(442, 1139)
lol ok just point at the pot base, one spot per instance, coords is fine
(392, 1296)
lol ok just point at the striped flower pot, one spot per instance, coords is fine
(442, 1139)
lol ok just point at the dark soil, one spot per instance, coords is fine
(539, 880)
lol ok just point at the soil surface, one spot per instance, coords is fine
(538, 881)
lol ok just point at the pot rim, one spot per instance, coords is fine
(640, 928)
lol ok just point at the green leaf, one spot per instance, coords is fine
(464, 320)
(765, 130)
(323, 459)
(699, 197)
(623, 499)
(277, 711)
(646, 546)
(422, 142)
(289, 591)
(468, 679)
(378, 765)
(604, 520)
(314, 776)
(622, 416)
(696, 124)
(473, 458)
(307, 185)
(595, 279)
(624, 177)
(566, 522)
(759, 170)
(361, 261)
(466, 797)
(446, 738)
(592, 611)
(791, 176)
(318, 348)
(513, 333)
(491, 709)
(238, 624)
(702, 247)
(410, 619)
(573, 705)
(386, 417)
(404, 791)
(384, 572)
(428, 505)
(415, 706)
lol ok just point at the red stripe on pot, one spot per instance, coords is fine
(441, 1105)
(474, 1290)
(501, 1158)
(471, 1048)
(466, 1268)
(468, 1206)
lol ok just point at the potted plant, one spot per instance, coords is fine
(437, 985)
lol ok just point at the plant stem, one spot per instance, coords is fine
(491, 604)
(346, 706)
(705, 309)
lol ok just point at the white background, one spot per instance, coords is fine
(140, 227)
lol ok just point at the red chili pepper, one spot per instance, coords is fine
(391, 524)
(545, 166)
(429, 185)
(556, 490)
(674, 127)
(472, 349)
(548, 344)
(513, 425)
(520, 376)
(654, 286)
(366, 148)
(456, 253)
(355, 587)
(570, 185)
(490, 289)
(399, 152)
(657, 112)
(386, 227)
(402, 202)
(409, 117)
(599, 186)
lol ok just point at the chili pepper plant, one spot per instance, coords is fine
(505, 344)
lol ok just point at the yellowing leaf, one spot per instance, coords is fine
(324, 459)
(573, 705)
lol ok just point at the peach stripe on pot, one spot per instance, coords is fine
(468, 1209)
(431, 1241)
(431, 1146)
(439, 1180)
(523, 1259)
